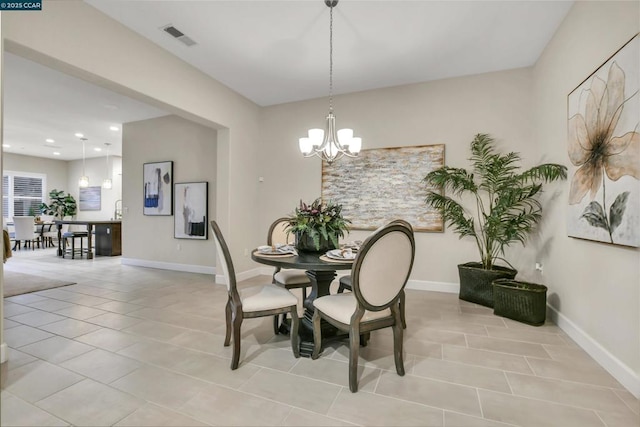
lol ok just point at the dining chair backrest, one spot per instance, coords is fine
(24, 227)
(383, 266)
(278, 232)
(225, 258)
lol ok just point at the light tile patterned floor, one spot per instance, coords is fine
(134, 346)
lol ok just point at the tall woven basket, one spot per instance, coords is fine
(521, 301)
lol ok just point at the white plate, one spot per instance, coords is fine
(337, 254)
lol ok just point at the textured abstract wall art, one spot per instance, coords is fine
(604, 148)
(190, 219)
(158, 187)
(384, 184)
(90, 198)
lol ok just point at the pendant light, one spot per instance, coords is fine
(84, 179)
(107, 183)
(329, 144)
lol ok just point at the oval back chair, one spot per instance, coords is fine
(380, 272)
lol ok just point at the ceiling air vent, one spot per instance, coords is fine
(178, 35)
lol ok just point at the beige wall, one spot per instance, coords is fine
(192, 148)
(447, 112)
(55, 170)
(96, 170)
(596, 286)
(64, 175)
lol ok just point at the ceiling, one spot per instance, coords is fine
(41, 103)
(274, 52)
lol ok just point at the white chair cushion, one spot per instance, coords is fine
(268, 298)
(342, 306)
(291, 277)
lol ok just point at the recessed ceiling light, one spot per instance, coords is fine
(55, 153)
(49, 140)
(6, 146)
(97, 149)
(79, 135)
(114, 128)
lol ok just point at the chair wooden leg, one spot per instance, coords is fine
(227, 336)
(404, 320)
(295, 339)
(237, 323)
(317, 335)
(397, 342)
(304, 295)
(354, 349)
(276, 324)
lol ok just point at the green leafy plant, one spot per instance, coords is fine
(506, 202)
(317, 220)
(60, 205)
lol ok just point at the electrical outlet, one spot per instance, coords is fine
(539, 267)
(178, 246)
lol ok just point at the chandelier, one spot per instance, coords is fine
(329, 144)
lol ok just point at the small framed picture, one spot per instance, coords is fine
(191, 201)
(158, 187)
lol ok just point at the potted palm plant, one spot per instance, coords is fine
(317, 226)
(506, 205)
(60, 205)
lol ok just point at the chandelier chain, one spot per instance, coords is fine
(331, 57)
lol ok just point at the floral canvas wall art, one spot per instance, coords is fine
(604, 149)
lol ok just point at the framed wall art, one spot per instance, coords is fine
(604, 150)
(384, 184)
(90, 198)
(191, 218)
(158, 188)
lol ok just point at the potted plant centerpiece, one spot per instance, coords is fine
(60, 205)
(318, 226)
(506, 205)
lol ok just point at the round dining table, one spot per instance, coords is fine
(321, 272)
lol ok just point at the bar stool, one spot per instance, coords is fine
(73, 235)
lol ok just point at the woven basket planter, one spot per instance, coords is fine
(521, 301)
(475, 282)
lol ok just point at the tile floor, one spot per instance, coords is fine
(131, 346)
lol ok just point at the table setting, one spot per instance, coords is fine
(276, 250)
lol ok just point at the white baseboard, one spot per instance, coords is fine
(190, 268)
(621, 372)
(3, 352)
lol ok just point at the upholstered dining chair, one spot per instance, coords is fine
(289, 279)
(25, 231)
(270, 300)
(49, 230)
(380, 272)
(345, 281)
